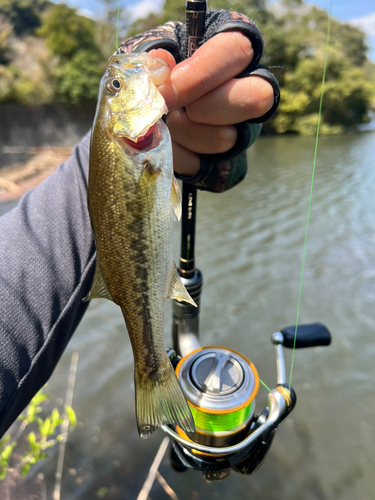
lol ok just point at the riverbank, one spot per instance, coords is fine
(15, 181)
(28, 130)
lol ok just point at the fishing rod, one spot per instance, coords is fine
(185, 330)
(220, 384)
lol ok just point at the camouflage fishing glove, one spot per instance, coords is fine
(218, 172)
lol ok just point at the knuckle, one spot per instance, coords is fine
(176, 121)
(222, 138)
(244, 45)
(237, 45)
(265, 98)
(195, 113)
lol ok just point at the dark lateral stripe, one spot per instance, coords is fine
(139, 234)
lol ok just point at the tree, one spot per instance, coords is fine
(60, 61)
(24, 15)
(347, 97)
(66, 32)
(79, 79)
(71, 38)
(6, 33)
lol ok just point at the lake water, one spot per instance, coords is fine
(249, 248)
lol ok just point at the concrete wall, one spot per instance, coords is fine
(23, 127)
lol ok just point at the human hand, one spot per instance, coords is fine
(213, 98)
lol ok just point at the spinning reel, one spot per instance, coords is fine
(220, 386)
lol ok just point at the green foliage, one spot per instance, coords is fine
(63, 64)
(70, 413)
(102, 492)
(30, 76)
(254, 9)
(79, 77)
(173, 10)
(5, 454)
(6, 33)
(45, 435)
(6, 84)
(145, 24)
(25, 15)
(347, 92)
(66, 33)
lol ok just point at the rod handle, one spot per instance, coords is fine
(195, 11)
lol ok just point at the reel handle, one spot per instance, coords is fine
(310, 335)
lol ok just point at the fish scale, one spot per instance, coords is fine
(132, 198)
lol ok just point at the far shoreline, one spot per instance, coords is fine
(17, 180)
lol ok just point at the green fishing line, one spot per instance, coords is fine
(117, 22)
(211, 422)
(264, 385)
(312, 182)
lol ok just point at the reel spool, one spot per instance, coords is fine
(220, 386)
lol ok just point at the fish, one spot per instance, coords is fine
(133, 199)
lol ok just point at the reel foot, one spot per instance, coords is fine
(176, 463)
(216, 475)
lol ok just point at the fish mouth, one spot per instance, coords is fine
(142, 142)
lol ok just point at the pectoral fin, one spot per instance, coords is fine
(177, 290)
(176, 199)
(145, 194)
(98, 289)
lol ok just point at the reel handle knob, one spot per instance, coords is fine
(310, 335)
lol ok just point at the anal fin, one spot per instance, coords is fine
(98, 288)
(177, 290)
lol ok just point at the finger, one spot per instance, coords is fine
(221, 58)
(204, 139)
(185, 162)
(233, 102)
(165, 55)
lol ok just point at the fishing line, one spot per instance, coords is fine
(264, 385)
(117, 22)
(312, 182)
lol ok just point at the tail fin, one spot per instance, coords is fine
(161, 403)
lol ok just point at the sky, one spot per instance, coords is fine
(360, 13)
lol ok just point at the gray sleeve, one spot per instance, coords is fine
(47, 257)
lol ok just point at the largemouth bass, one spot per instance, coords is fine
(133, 197)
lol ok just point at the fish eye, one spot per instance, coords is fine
(113, 85)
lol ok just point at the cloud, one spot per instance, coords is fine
(365, 23)
(144, 8)
(86, 13)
